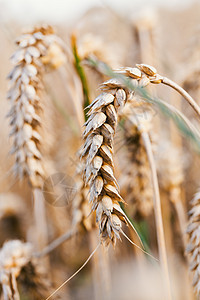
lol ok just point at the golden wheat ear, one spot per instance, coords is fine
(20, 273)
(98, 150)
(13, 256)
(35, 49)
(136, 180)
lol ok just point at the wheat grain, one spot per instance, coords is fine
(81, 208)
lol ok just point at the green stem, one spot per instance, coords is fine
(81, 73)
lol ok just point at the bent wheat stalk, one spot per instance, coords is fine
(150, 75)
(181, 91)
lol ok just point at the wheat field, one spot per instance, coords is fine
(100, 155)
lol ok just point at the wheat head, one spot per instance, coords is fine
(36, 49)
(98, 150)
(13, 256)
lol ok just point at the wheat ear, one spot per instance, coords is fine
(193, 248)
(137, 179)
(36, 49)
(98, 149)
(19, 268)
(13, 256)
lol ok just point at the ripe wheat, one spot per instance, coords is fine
(38, 48)
(13, 256)
(18, 267)
(98, 149)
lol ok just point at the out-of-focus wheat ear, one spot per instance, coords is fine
(146, 27)
(34, 280)
(136, 180)
(193, 247)
(35, 50)
(13, 256)
(19, 271)
(172, 178)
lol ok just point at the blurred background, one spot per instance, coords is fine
(67, 11)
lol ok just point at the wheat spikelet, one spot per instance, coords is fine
(36, 49)
(98, 149)
(81, 207)
(193, 248)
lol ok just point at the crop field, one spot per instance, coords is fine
(100, 152)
